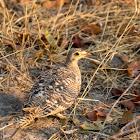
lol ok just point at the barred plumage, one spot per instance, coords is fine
(54, 91)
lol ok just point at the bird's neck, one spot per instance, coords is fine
(73, 66)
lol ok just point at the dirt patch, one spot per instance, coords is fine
(108, 29)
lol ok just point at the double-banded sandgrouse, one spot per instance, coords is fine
(54, 91)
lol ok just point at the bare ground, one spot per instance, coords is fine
(25, 53)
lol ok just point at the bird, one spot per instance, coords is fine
(54, 91)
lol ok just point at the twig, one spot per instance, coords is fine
(19, 130)
(123, 133)
(54, 135)
(6, 126)
(134, 121)
(2, 3)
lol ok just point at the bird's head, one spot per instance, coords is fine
(75, 54)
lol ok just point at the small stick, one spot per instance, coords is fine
(124, 127)
(2, 3)
(6, 126)
(17, 131)
(123, 133)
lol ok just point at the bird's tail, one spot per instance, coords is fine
(21, 121)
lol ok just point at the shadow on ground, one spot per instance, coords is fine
(42, 129)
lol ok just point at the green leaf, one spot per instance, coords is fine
(76, 121)
(92, 126)
(50, 39)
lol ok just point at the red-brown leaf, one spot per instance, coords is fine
(92, 115)
(134, 68)
(98, 113)
(117, 91)
(128, 104)
(101, 113)
(13, 45)
(127, 2)
(126, 117)
(94, 29)
(136, 98)
(77, 42)
(54, 4)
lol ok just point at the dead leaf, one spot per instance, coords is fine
(101, 107)
(98, 113)
(54, 4)
(92, 126)
(40, 53)
(94, 29)
(126, 117)
(128, 104)
(127, 2)
(24, 1)
(130, 30)
(102, 114)
(117, 91)
(13, 45)
(134, 68)
(92, 115)
(135, 97)
(77, 42)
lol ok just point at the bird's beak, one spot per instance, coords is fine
(85, 53)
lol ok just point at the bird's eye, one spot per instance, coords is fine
(77, 53)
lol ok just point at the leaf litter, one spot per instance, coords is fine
(36, 35)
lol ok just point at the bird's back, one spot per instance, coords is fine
(53, 92)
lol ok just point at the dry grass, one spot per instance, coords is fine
(29, 54)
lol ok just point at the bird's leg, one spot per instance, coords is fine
(61, 116)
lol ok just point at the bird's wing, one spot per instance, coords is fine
(53, 92)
